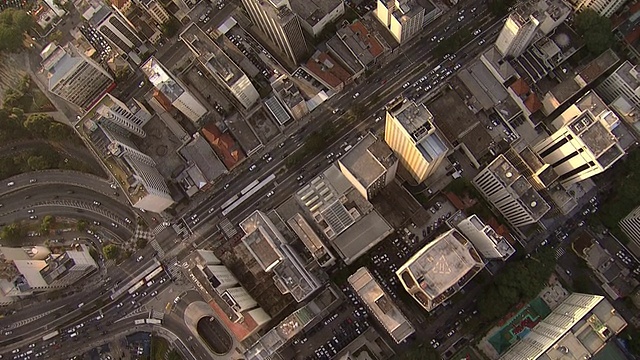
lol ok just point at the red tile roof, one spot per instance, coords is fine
(455, 200)
(239, 330)
(533, 103)
(119, 3)
(327, 69)
(374, 46)
(224, 145)
(520, 87)
(162, 99)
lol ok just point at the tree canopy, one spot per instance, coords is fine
(13, 23)
(13, 233)
(595, 30)
(110, 251)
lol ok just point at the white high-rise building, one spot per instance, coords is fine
(220, 66)
(485, 239)
(529, 18)
(411, 134)
(624, 84)
(278, 22)
(106, 129)
(173, 89)
(511, 193)
(583, 144)
(403, 18)
(75, 77)
(603, 7)
(630, 225)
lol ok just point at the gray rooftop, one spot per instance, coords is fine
(312, 11)
(199, 152)
(277, 110)
(368, 160)
(629, 74)
(591, 131)
(162, 79)
(363, 235)
(210, 55)
(416, 119)
(343, 53)
(483, 85)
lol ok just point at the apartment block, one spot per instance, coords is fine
(484, 238)
(404, 18)
(605, 8)
(173, 89)
(412, 135)
(511, 193)
(226, 73)
(74, 76)
(315, 15)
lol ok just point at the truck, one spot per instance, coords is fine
(139, 321)
(154, 321)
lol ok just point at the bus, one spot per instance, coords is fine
(50, 335)
(254, 189)
(230, 201)
(248, 188)
(153, 274)
(137, 286)
(154, 321)
(138, 322)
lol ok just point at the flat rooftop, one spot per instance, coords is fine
(625, 72)
(262, 240)
(312, 11)
(245, 135)
(307, 235)
(363, 235)
(199, 152)
(361, 42)
(598, 66)
(381, 305)
(210, 55)
(416, 119)
(162, 79)
(483, 85)
(520, 186)
(327, 69)
(439, 265)
(367, 162)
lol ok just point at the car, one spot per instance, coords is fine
(406, 85)
(581, 223)
(30, 211)
(568, 272)
(141, 84)
(270, 193)
(451, 332)
(96, 203)
(481, 42)
(253, 167)
(11, 183)
(96, 223)
(127, 220)
(33, 217)
(460, 18)
(329, 156)
(114, 225)
(281, 145)
(477, 32)
(300, 177)
(226, 186)
(113, 186)
(163, 280)
(139, 258)
(473, 10)
(356, 95)
(268, 159)
(154, 293)
(335, 111)
(119, 305)
(176, 300)
(32, 181)
(378, 118)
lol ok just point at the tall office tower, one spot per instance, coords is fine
(157, 12)
(75, 77)
(106, 129)
(220, 66)
(529, 18)
(173, 89)
(603, 7)
(511, 193)
(489, 243)
(623, 84)
(630, 225)
(119, 114)
(278, 22)
(440, 269)
(583, 144)
(411, 134)
(402, 18)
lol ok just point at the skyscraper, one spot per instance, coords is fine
(603, 7)
(278, 22)
(411, 134)
(75, 77)
(583, 144)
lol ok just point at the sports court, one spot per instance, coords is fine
(519, 325)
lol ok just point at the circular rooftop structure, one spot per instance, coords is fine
(214, 335)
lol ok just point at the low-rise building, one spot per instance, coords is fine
(370, 166)
(274, 255)
(173, 89)
(355, 48)
(577, 328)
(440, 269)
(381, 305)
(290, 97)
(485, 239)
(315, 15)
(203, 167)
(327, 71)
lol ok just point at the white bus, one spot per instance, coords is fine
(137, 286)
(50, 335)
(153, 274)
(248, 188)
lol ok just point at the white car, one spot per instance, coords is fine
(32, 181)
(11, 183)
(461, 17)
(356, 95)
(139, 258)
(270, 193)
(335, 111)
(406, 85)
(477, 32)
(96, 203)
(252, 167)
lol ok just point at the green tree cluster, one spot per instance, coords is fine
(111, 251)
(421, 352)
(500, 8)
(595, 30)
(13, 24)
(43, 126)
(47, 222)
(171, 27)
(13, 233)
(36, 158)
(141, 243)
(81, 225)
(519, 282)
